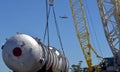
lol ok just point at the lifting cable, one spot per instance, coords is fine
(56, 24)
(93, 28)
(58, 32)
(47, 24)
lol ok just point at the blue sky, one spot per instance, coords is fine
(29, 17)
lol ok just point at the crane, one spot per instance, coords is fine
(110, 16)
(81, 27)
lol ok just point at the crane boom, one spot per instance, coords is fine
(80, 24)
(110, 15)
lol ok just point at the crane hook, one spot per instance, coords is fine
(51, 2)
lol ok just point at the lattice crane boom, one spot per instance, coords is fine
(110, 15)
(80, 24)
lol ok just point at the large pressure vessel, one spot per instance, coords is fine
(23, 53)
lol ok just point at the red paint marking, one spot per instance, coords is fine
(17, 51)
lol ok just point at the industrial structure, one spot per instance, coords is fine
(110, 16)
(23, 53)
(22, 48)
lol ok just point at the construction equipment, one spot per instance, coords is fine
(110, 16)
(76, 67)
(80, 24)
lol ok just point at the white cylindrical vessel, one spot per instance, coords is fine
(23, 53)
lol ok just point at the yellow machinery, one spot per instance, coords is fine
(80, 24)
